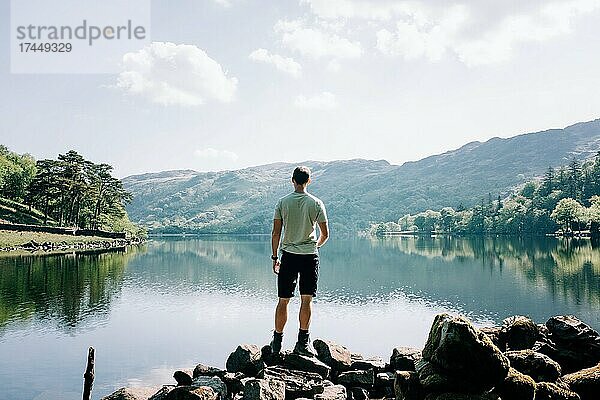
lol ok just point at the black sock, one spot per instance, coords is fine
(277, 334)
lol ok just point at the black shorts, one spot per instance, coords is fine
(293, 265)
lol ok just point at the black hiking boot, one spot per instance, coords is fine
(276, 343)
(303, 346)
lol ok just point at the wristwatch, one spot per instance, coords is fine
(274, 258)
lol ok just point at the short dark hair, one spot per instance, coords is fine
(301, 175)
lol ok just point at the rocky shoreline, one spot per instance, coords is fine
(520, 360)
(62, 246)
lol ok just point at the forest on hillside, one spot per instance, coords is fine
(564, 200)
(67, 191)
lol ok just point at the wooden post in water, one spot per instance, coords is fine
(88, 377)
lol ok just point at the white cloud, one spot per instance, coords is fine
(210, 154)
(170, 74)
(285, 64)
(224, 3)
(496, 45)
(436, 33)
(413, 40)
(322, 101)
(362, 9)
(314, 42)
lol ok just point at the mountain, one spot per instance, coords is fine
(355, 192)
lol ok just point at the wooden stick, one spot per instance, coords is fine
(88, 377)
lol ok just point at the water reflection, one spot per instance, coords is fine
(178, 301)
(63, 291)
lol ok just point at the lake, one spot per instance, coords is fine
(175, 302)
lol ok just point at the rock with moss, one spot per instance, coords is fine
(551, 391)
(516, 386)
(586, 383)
(461, 357)
(518, 333)
(537, 365)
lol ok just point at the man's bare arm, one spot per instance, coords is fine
(324, 233)
(275, 238)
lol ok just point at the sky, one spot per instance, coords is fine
(225, 84)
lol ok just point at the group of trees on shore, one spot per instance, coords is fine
(68, 191)
(564, 200)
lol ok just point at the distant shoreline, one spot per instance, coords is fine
(43, 243)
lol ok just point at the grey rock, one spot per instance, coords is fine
(125, 393)
(264, 389)
(586, 383)
(516, 386)
(434, 379)
(213, 382)
(297, 383)
(358, 393)
(246, 359)
(537, 365)
(363, 378)
(206, 370)
(464, 354)
(404, 358)
(551, 391)
(183, 377)
(192, 393)
(518, 333)
(233, 381)
(332, 392)
(359, 362)
(407, 386)
(162, 393)
(308, 364)
(574, 344)
(335, 355)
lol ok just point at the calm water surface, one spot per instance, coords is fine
(176, 302)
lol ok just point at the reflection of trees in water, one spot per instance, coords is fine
(62, 288)
(566, 266)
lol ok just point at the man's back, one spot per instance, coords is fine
(299, 213)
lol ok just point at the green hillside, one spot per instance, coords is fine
(17, 213)
(356, 192)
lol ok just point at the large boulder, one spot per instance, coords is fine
(551, 391)
(264, 389)
(518, 333)
(332, 392)
(308, 364)
(206, 370)
(297, 383)
(537, 365)
(234, 382)
(516, 386)
(572, 343)
(245, 359)
(461, 356)
(192, 393)
(213, 382)
(362, 378)
(183, 377)
(126, 393)
(586, 383)
(404, 358)
(359, 362)
(407, 386)
(335, 355)
(162, 393)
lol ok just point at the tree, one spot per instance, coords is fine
(567, 212)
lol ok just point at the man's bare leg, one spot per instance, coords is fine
(281, 314)
(305, 311)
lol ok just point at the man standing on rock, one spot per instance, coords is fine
(297, 213)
